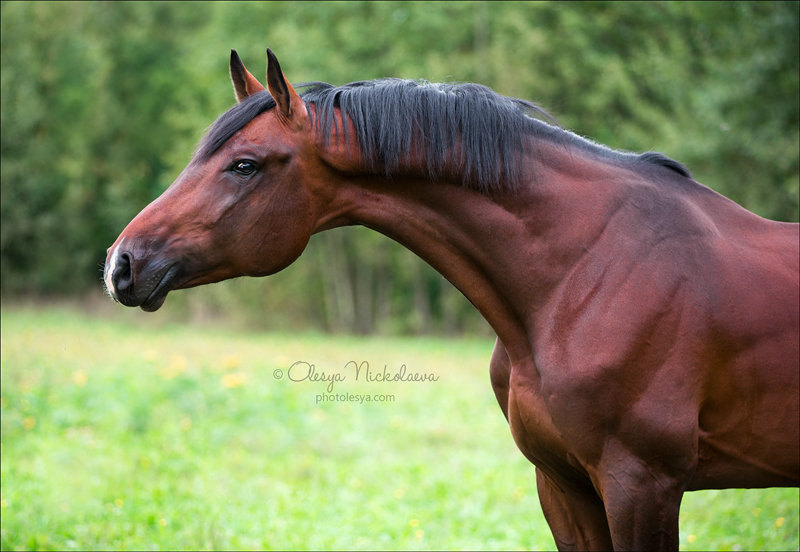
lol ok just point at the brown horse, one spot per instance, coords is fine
(647, 326)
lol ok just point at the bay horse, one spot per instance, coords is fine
(647, 327)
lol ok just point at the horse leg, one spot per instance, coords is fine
(500, 374)
(571, 506)
(576, 517)
(642, 502)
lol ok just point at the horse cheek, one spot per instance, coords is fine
(283, 234)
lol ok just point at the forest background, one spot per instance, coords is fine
(103, 104)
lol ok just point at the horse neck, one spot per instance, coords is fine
(505, 253)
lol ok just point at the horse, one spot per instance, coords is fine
(647, 327)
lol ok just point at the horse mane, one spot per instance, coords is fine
(388, 115)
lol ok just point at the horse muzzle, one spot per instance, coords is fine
(142, 282)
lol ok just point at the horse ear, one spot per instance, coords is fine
(244, 84)
(282, 92)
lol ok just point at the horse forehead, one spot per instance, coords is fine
(264, 132)
(264, 129)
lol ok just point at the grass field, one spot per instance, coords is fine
(117, 435)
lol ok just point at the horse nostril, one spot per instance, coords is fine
(122, 278)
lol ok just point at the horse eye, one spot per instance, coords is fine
(244, 167)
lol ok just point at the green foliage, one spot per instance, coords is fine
(81, 154)
(126, 436)
(103, 103)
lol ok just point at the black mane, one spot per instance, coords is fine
(388, 114)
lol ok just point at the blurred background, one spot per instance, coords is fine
(174, 430)
(104, 102)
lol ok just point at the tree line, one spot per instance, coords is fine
(103, 104)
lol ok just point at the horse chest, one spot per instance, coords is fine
(536, 434)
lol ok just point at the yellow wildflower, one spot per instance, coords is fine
(233, 380)
(177, 366)
(231, 362)
(80, 377)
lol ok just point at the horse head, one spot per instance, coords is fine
(240, 207)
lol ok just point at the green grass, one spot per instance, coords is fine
(116, 435)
